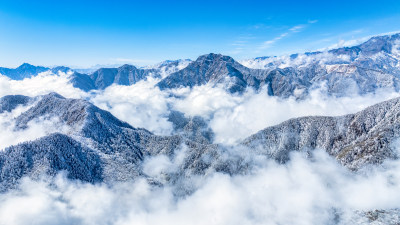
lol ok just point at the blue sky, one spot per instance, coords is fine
(86, 33)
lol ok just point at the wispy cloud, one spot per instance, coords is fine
(297, 28)
(294, 29)
(269, 43)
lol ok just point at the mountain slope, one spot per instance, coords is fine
(49, 155)
(124, 75)
(354, 140)
(214, 68)
(24, 71)
(119, 148)
(10, 102)
(352, 70)
(359, 69)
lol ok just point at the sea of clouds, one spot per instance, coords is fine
(303, 191)
(300, 192)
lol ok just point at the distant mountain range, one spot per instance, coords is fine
(24, 71)
(350, 70)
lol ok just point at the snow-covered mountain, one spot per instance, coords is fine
(99, 147)
(100, 78)
(360, 69)
(355, 140)
(24, 71)
(116, 147)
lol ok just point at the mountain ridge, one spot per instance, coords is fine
(355, 140)
(361, 69)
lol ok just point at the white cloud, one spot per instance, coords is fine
(269, 43)
(231, 117)
(296, 28)
(141, 105)
(348, 43)
(300, 192)
(234, 117)
(37, 128)
(39, 85)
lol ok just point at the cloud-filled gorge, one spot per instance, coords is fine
(309, 189)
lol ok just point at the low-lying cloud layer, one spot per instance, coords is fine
(231, 117)
(11, 135)
(304, 191)
(39, 85)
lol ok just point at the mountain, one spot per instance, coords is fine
(10, 102)
(170, 66)
(97, 147)
(359, 69)
(351, 70)
(214, 68)
(124, 75)
(82, 81)
(62, 69)
(116, 148)
(24, 71)
(93, 134)
(49, 155)
(101, 78)
(355, 140)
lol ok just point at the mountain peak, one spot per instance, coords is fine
(379, 43)
(25, 66)
(63, 69)
(127, 67)
(52, 95)
(214, 57)
(216, 68)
